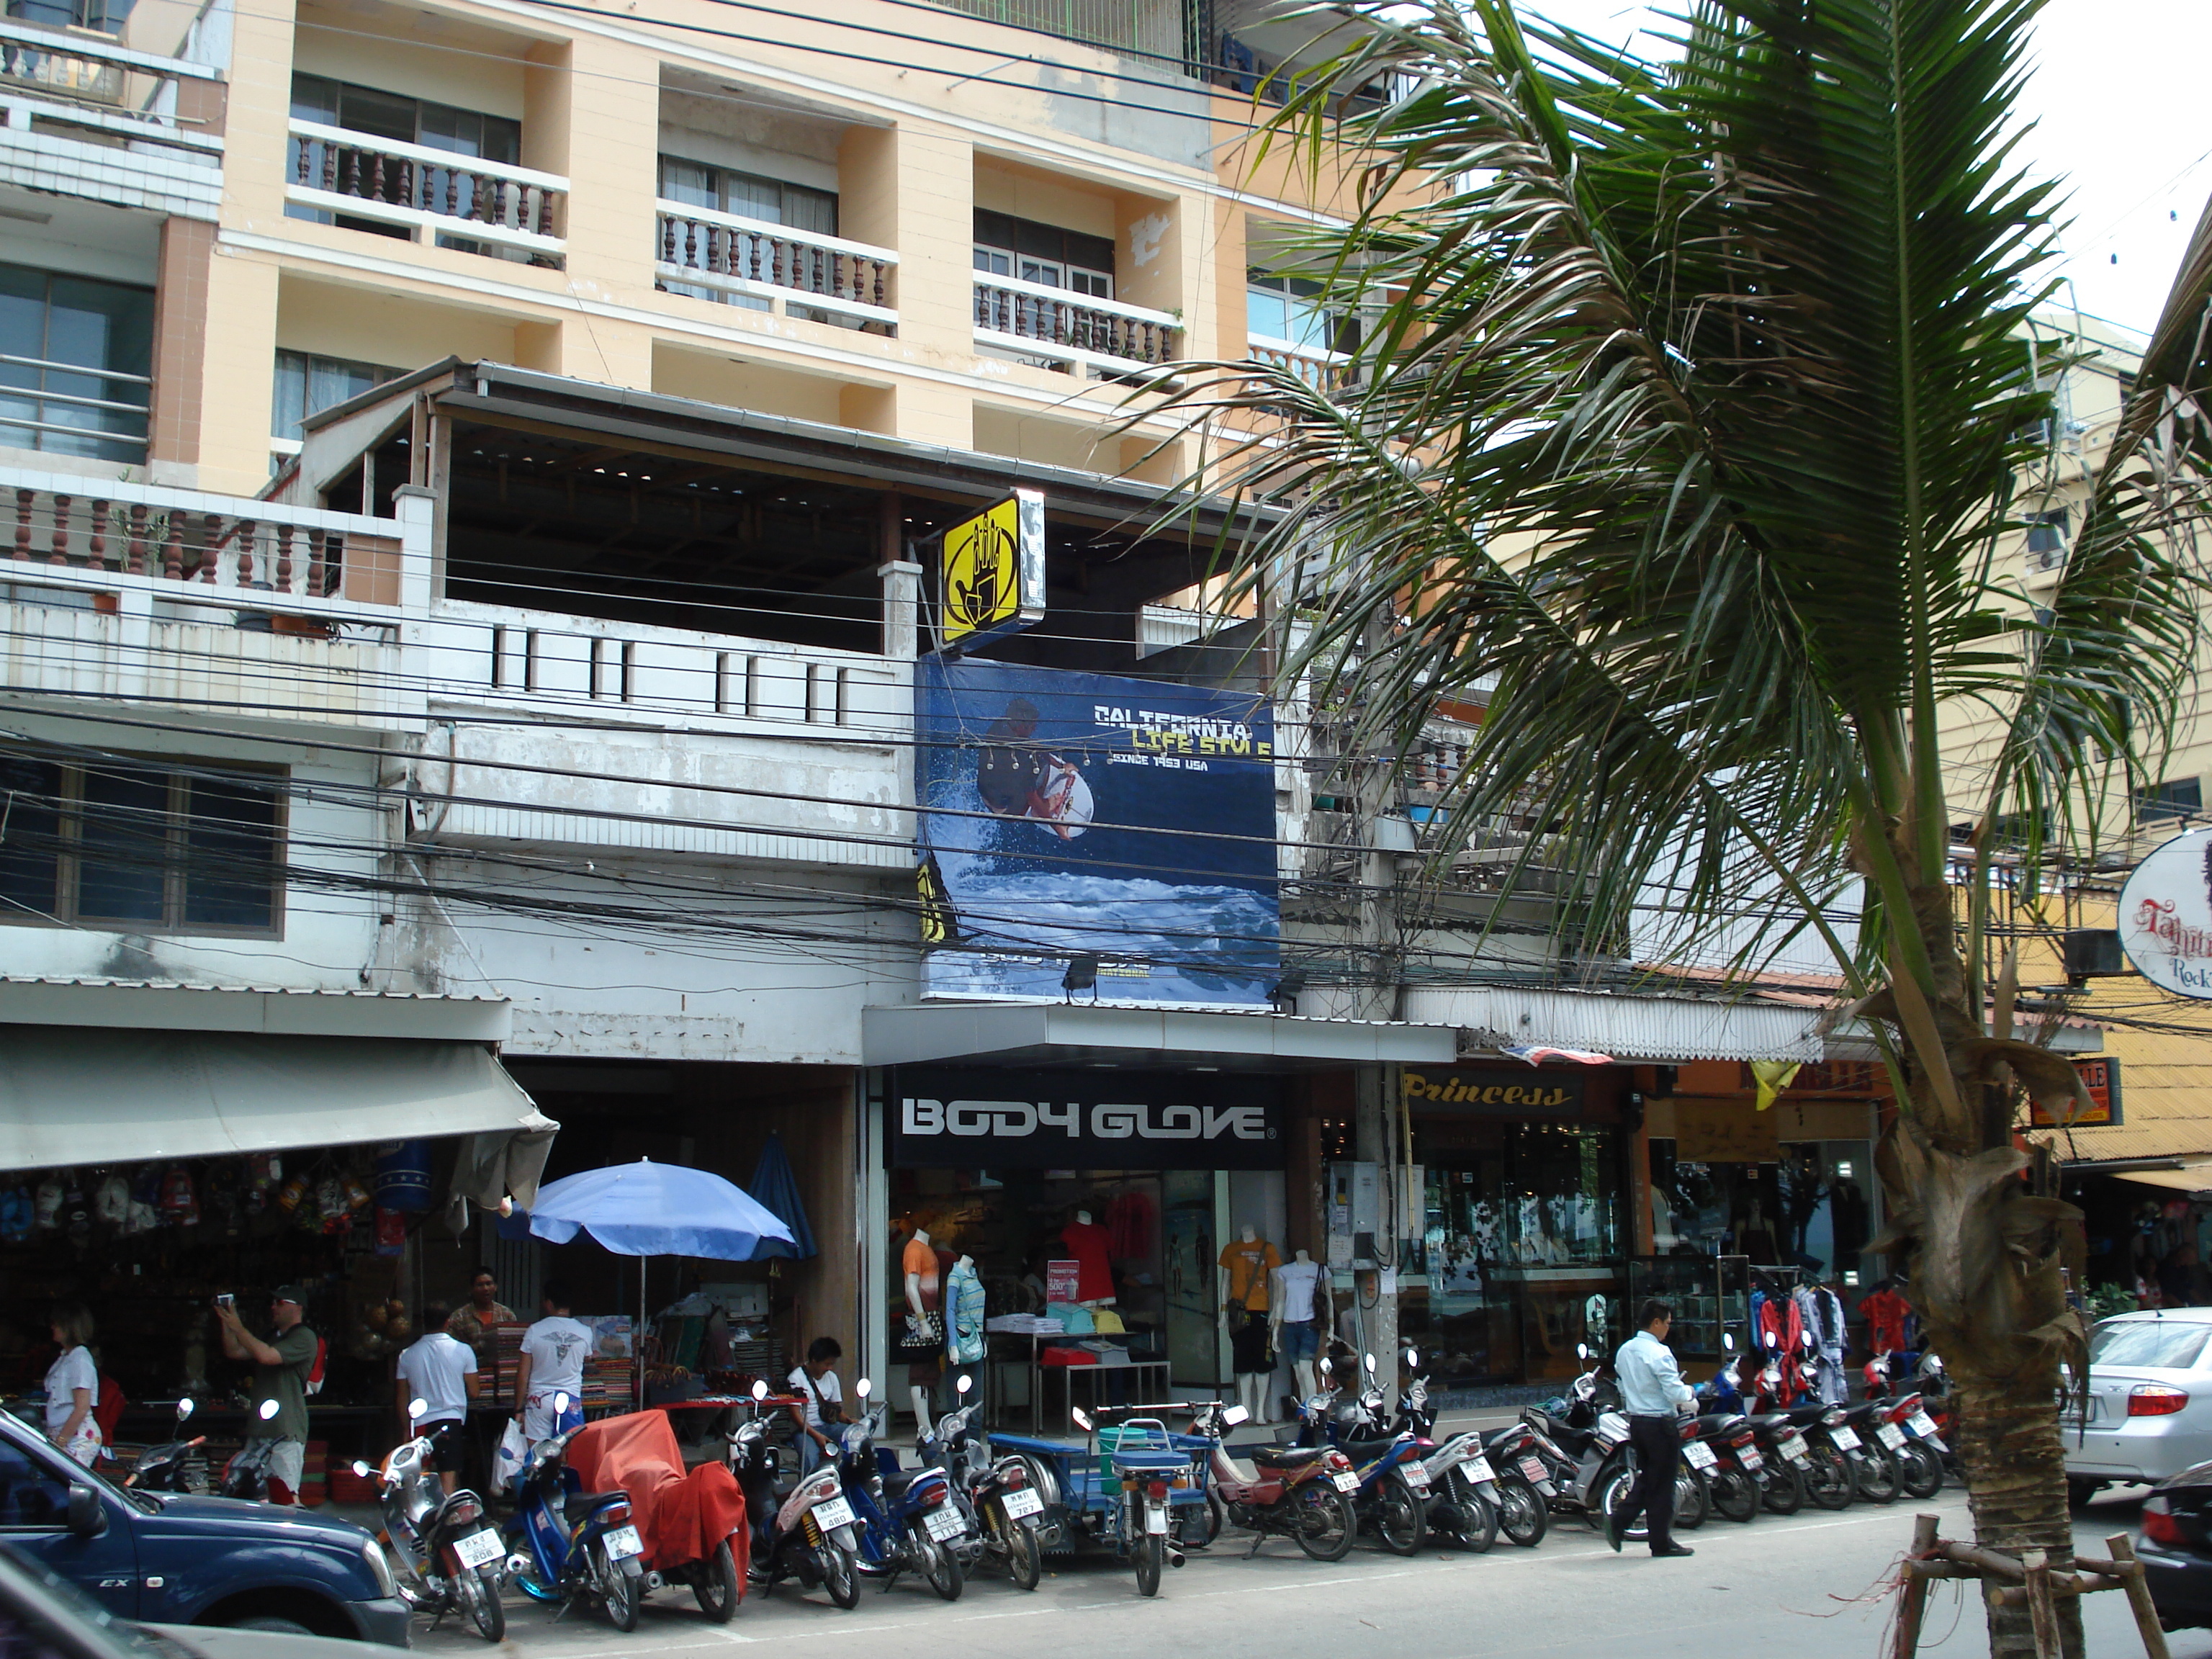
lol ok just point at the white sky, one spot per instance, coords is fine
(2117, 93)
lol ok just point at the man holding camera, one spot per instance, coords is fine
(281, 1369)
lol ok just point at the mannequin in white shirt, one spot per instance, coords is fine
(1300, 1287)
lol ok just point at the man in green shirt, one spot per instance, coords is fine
(281, 1368)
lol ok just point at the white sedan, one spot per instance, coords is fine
(2149, 1413)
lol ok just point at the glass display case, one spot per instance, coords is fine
(1710, 1294)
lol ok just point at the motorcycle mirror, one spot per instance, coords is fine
(417, 1407)
(1582, 1351)
(268, 1410)
(561, 1404)
(1728, 1341)
(1327, 1368)
(1368, 1360)
(184, 1408)
(360, 1470)
(1413, 1359)
(1235, 1415)
(864, 1387)
(962, 1383)
(760, 1388)
(1081, 1421)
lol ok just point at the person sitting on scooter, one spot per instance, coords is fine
(816, 1384)
(553, 1352)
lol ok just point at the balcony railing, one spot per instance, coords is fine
(1072, 331)
(1324, 371)
(101, 526)
(802, 270)
(72, 66)
(82, 116)
(412, 185)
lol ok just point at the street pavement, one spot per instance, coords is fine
(1810, 1586)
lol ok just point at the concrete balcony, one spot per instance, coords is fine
(488, 206)
(1072, 333)
(794, 271)
(83, 116)
(1324, 371)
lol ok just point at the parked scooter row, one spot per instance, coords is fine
(176, 1465)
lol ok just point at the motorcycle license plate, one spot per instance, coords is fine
(1416, 1477)
(1478, 1470)
(1846, 1439)
(623, 1543)
(1794, 1449)
(1346, 1481)
(1922, 1424)
(944, 1521)
(1700, 1455)
(1532, 1469)
(1752, 1462)
(1023, 1502)
(1156, 1518)
(1890, 1435)
(834, 1513)
(478, 1549)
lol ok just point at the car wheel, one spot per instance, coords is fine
(2079, 1492)
(272, 1623)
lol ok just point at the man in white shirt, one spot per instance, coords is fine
(818, 1385)
(553, 1352)
(440, 1372)
(1653, 1395)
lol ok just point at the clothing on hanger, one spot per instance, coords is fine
(1129, 1225)
(1886, 1313)
(1087, 1246)
(963, 1315)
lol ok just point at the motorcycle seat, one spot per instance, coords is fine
(1865, 1411)
(1766, 1422)
(898, 1480)
(1806, 1417)
(1504, 1436)
(581, 1504)
(1713, 1422)
(1284, 1457)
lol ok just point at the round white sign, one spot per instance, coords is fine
(2165, 915)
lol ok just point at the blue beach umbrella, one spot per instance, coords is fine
(656, 1209)
(776, 1187)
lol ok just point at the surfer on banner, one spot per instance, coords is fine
(1017, 780)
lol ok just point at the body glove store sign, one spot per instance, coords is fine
(1023, 1120)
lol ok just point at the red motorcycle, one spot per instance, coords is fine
(1300, 1493)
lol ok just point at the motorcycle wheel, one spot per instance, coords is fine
(1024, 1561)
(1735, 1495)
(1692, 1502)
(479, 1598)
(1877, 1476)
(1151, 1555)
(1474, 1517)
(1522, 1515)
(1920, 1472)
(937, 1564)
(1612, 1497)
(1197, 1525)
(839, 1576)
(625, 1589)
(716, 1586)
(1401, 1518)
(1831, 1484)
(1324, 1523)
(1782, 1490)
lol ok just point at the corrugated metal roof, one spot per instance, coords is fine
(241, 990)
(1627, 1027)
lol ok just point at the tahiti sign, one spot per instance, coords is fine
(2165, 915)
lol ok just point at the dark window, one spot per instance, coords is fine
(1045, 254)
(107, 16)
(2176, 798)
(749, 195)
(306, 384)
(133, 846)
(77, 361)
(31, 1493)
(2046, 538)
(410, 120)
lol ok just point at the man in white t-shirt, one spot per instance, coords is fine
(440, 1372)
(553, 1352)
(818, 1385)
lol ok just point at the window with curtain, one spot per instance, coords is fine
(76, 364)
(108, 16)
(749, 195)
(308, 383)
(1047, 255)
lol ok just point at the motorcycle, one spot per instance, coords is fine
(1524, 1483)
(905, 1518)
(1392, 1499)
(247, 1475)
(1829, 1476)
(1904, 1425)
(1585, 1441)
(1301, 1494)
(804, 1529)
(570, 1545)
(1465, 1503)
(1000, 1497)
(170, 1465)
(451, 1558)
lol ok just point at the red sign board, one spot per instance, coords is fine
(2100, 1075)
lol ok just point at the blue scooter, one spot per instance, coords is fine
(571, 1545)
(906, 1517)
(1395, 1489)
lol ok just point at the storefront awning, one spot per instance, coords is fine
(1063, 1034)
(1640, 1028)
(2195, 1178)
(267, 1011)
(72, 1095)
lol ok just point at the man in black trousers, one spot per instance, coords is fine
(1655, 1396)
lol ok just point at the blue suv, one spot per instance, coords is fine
(172, 1558)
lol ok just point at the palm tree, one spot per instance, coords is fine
(1684, 434)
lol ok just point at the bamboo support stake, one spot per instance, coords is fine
(2124, 1555)
(1913, 1606)
(2042, 1609)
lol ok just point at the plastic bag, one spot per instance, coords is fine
(513, 1447)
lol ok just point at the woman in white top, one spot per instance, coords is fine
(73, 1385)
